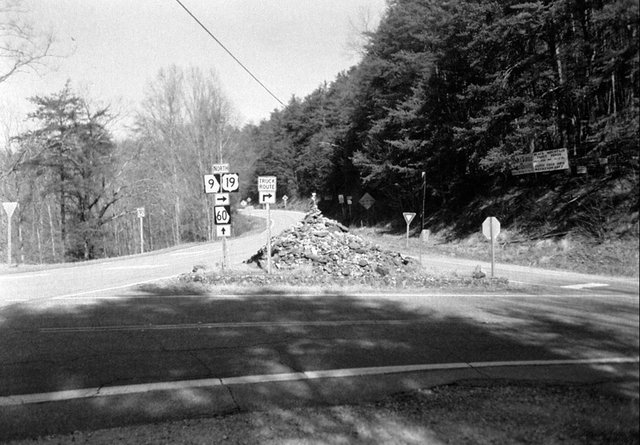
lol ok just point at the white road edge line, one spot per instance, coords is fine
(226, 325)
(84, 393)
(96, 291)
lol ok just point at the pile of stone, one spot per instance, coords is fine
(329, 248)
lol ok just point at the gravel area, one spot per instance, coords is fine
(473, 412)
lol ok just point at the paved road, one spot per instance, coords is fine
(119, 273)
(87, 351)
(555, 280)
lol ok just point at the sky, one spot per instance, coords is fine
(112, 49)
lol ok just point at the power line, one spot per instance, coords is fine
(229, 52)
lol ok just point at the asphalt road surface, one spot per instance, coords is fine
(105, 276)
(81, 348)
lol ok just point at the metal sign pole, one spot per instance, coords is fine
(224, 252)
(493, 240)
(268, 238)
(141, 236)
(9, 242)
(407, 240)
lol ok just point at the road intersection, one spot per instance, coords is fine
(85, 348)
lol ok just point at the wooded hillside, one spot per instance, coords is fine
(455, 89)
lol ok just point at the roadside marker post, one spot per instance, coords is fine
(408, 217)
(9, 207)
(141, 214)
(424, 238)
(266, 192)
(491, 230)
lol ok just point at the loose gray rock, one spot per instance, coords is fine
(331, 250)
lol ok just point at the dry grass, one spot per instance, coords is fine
(578, 254)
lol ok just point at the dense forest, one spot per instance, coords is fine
(446, 93)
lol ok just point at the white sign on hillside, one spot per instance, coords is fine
(541, 161)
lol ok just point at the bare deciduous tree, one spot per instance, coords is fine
(23, 47)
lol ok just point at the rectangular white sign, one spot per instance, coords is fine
(267, 197)
(267, 183)
(541, 161)
(221, 199)
(220, 168)
(223, 230)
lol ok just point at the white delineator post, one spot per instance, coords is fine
(141, 236)
(9, 207)
(141, 214)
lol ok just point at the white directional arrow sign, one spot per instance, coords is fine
(221, 199)
(223, 230)
(267, 197)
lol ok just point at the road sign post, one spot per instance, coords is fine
(9, 207)
(267, 192)
(408, 217)
(140, 211)
(491, 230)
(221, 183)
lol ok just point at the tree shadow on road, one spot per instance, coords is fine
(143, 337)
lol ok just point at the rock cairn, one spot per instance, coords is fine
(329, 248)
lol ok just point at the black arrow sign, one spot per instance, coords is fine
(223, 230)
(221, 199)
(268, 196)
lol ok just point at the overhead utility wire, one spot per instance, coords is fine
(229, 52)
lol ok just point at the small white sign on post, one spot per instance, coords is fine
(223, 230)
(220, 168)
(220, 199)
(285, 198)
(9, 207)
(491, 230)
(267, 183)
(408, 217)
(267, 197)
(267, 186)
